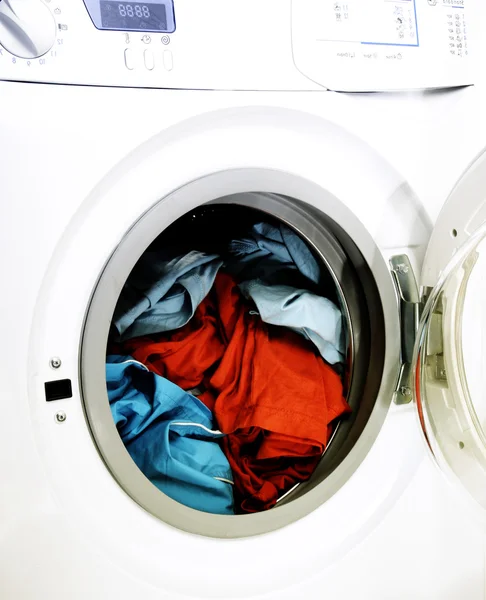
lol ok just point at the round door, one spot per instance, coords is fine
(450, 351)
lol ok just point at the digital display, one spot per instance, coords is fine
(133, 16)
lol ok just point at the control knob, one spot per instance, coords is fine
(27, 27)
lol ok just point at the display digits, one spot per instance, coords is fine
(137, 10)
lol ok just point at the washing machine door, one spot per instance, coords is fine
(449, 364)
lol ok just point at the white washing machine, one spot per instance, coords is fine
(162, 107)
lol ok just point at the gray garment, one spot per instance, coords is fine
(162, 294)
(268, 249)
(317, 318)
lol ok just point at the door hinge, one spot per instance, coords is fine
(410, 308)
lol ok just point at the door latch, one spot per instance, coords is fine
(408, 293)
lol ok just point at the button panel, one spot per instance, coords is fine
(151, 58)
(129, 59)
(146, 50)
(148, 59)
(168, 60)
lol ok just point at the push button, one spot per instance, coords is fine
(129, 59)
(148, 59)
(58, 390)
(168, 60)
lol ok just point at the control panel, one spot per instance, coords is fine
(344, 45)
(182, 44)
(372, 45)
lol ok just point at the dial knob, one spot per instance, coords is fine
(27, 27)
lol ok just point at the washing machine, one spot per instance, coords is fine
(117, 119)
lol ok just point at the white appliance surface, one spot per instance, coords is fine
(252, 45)
(59, 142)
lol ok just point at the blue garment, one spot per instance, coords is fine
(169, 435)
(267, 249)
(161, 293)
(315, 317)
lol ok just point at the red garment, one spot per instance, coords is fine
(268, 388)
(265, 465)
(187, 356)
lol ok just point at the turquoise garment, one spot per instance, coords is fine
(315, 317)
(169, 435)
(162, 293)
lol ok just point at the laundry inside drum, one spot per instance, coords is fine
(232, 359)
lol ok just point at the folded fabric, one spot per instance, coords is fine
(162, 293)
(265, 465)
(187, 356)
(270, 391)
(266, 250)
(317, 318)
(169, 435)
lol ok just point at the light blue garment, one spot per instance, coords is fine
(169, 435)
(267, 249)
(317, 318)
(161, 294)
